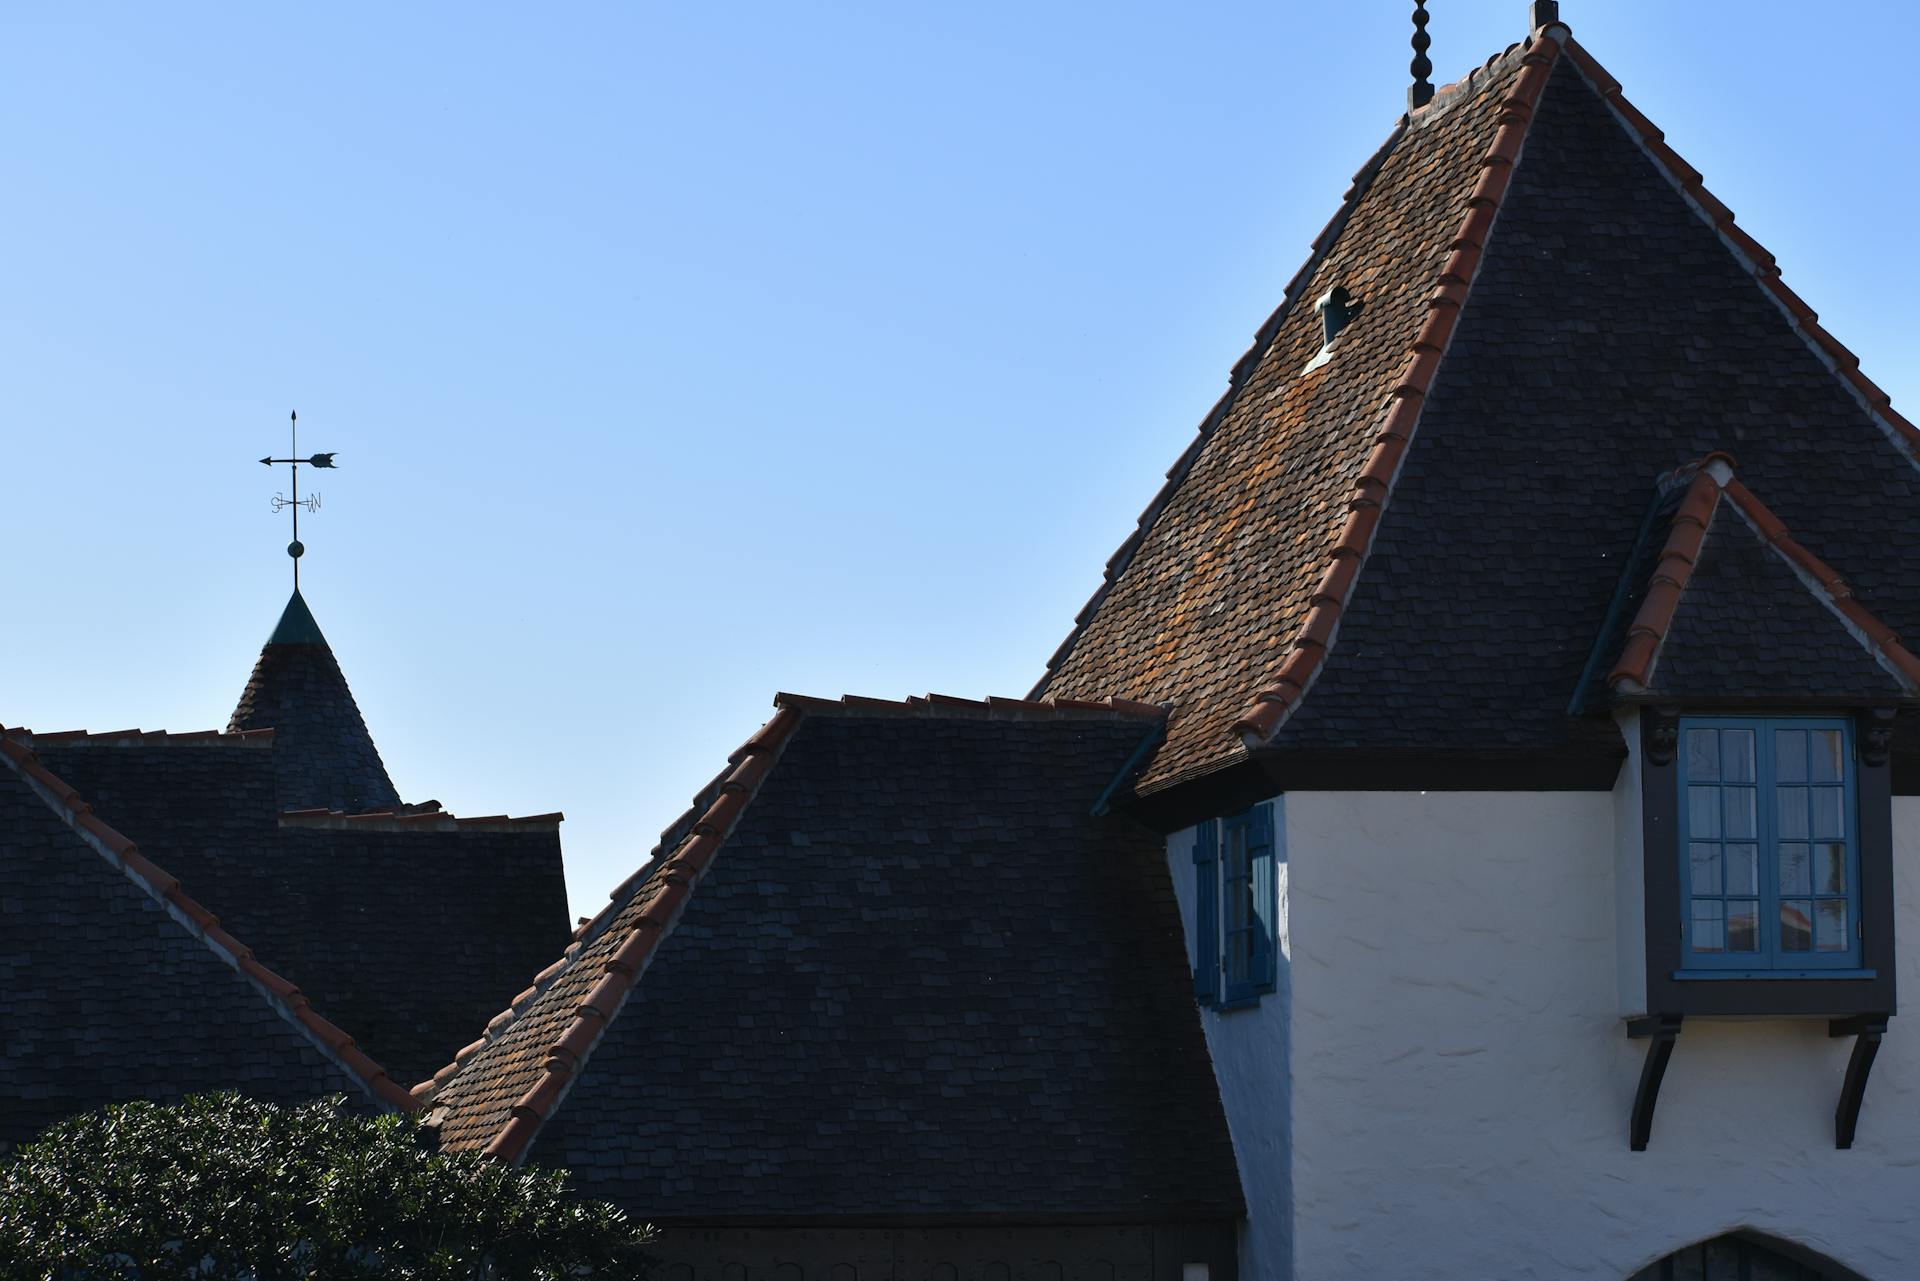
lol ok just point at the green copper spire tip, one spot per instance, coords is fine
(296, 625)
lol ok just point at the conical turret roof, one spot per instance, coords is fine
(323, 755)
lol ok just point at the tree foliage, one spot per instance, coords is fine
(224, 1188)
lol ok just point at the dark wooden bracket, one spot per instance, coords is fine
(1659, 1030)
(1866, 1031)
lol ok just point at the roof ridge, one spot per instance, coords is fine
(1750, 252)
(679, 872)
(121, 852)
(1374, 486)
(1713, 478)
(143, 738)
(427, 817)
(1468, 85)
(938, 706)
(1237, 380)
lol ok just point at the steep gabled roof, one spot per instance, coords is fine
(1272, 510)
(121, 985)
(346, 906)
(843, 988)
(1735, 607)
(325, 757)
(1417, 556)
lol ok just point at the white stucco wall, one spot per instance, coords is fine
(1249, 1048)
(1460, 1076)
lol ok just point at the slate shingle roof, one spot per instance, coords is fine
(889, 948)
(120, 985)
(345, 908)
(325, 757)
(1202, 607)
(1734, 607)
(1445, 592)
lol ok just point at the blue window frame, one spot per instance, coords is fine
(1770, 863)
(1236, 909)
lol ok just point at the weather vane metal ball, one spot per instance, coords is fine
(281, 502)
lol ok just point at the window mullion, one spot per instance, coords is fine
(1767, 779)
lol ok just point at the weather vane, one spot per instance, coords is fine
(281, 502)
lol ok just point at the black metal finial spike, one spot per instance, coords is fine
(1545, 13)
(1422, 91)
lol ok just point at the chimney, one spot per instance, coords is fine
(1545, 13)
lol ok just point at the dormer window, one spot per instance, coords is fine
(1768, 863)
(1337, 309)
(1771, 872)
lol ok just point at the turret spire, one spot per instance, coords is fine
(323, 756)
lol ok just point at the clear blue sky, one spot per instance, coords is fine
(680, 353)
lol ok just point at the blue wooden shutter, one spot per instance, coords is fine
(1206, 913)
(1266, 901)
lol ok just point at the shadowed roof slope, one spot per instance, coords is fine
(324, 757)
(915, 973)
(344, 907)
(120, 986)
(1292, 594)
(1734, 607)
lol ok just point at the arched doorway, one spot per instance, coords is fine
(1745, 1256)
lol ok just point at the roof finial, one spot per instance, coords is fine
(1545, 13)
(296, 548)
(1422, 91)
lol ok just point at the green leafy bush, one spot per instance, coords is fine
(223, 1188)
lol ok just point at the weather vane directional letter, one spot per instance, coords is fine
(281, 502)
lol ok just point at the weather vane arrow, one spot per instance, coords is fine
(281, 502)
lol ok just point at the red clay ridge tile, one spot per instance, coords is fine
(1474, 231)
(579, 1037)
(1634, 672)
(748, 773)
(994, 707)
(1714, 477)
(722, 814)
(227, 943)
(202, 919)
(428, 817)
(666, 879)
(395, 1095)
(276, 986)
(151, 738)
(1763, 262)
(629, 958)
(512, 1141)
(605, 996)
(323, 1031)
(1269, 707)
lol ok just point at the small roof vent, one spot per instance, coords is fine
(1337, 308)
